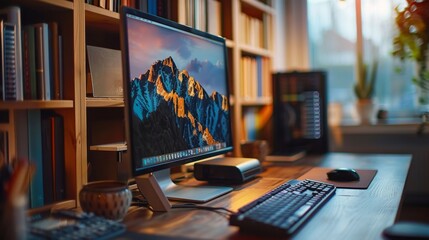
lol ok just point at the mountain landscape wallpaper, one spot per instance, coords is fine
(177, 91)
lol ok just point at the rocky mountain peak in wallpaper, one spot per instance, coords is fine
(171, 108)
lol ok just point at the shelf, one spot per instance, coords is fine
(110, 147)
(260, 101)
(258, 5)
(36, 104)
(101, 18)
(255, 51)
(104, 102)
(46, 3)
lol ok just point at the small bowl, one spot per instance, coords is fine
(109, 199)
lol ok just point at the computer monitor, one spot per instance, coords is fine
(176, 99)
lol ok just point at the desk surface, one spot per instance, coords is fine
(350, 214)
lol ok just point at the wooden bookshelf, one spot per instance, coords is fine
(87, 120)
(66, 15)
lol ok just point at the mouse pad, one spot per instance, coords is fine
(319, 174)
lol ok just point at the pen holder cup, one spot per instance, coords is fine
(13, 218)
(109, 199)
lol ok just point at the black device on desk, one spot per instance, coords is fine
(176, 102)
(299, 115)
(227, 170)
(343, 175)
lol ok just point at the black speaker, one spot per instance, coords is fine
(300, 112)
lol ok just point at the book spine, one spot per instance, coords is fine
(60, 65)
(35, 155)
(4, 146)
(12, 15)
(47, 157)
(142, 5)
(214, 17)
(42, 61)
(151, 7)
(58, 160)
(55, 59)
(9, 61)
(26, 65)
(21, 131)
(1, 62)
(32, 61)
(29, 62)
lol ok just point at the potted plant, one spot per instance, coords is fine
(364, 91)
(412, 42)
(365, 83)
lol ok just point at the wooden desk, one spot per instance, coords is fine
(350, 214)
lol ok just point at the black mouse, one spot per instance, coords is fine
(407, 230)
(343, 175)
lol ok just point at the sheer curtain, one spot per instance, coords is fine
(332, 38)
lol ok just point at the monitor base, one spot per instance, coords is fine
(158, 188)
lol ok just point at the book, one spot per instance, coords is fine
(181, 12)
(12, 15)
(251, 124)
(4, 148)
(55, 60)
(53, 156)
(21, 131)
(58, 158)
(29, 62)
(8, 44)
(35, 155)
(142, 5)
(43, 75)
(48, 193)
(151, 7)
(109, 5)
(106, 71)
(61, 65)
(214, 17)
(201, 13)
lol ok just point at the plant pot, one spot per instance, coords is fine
(110, 199)
(365, 111)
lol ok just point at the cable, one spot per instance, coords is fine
(141, 202)
(208, 208)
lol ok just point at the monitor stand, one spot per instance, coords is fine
(157, 187)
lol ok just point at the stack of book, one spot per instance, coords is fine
(41, 136)
(256, 75)
(160, 8)
(31, 62)
(202, 15)
(252, 31)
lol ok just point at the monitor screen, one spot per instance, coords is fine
(176, 92)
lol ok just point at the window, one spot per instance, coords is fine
(332, 38)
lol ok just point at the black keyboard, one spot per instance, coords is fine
(283, 210)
